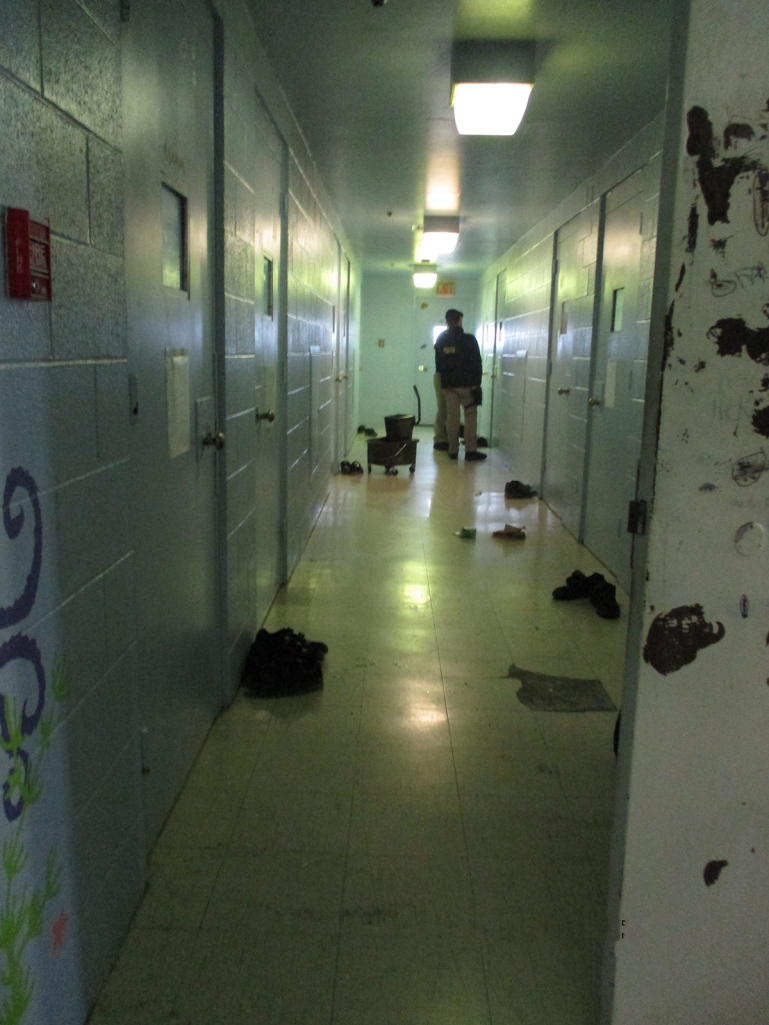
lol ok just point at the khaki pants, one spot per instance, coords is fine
(439, 429)
(456, 398)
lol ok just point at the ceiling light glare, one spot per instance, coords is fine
(490, 108)
(491, 81)
(440, 235)
(425, 275)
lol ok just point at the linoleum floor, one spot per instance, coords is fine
(412, 845)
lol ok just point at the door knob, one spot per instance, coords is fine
(213, 440)
(564, 391)
(339, 379)
(269, 416)
(594, 402)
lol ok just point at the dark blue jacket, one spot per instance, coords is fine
(458, 359)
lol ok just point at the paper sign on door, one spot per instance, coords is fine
(178, 401)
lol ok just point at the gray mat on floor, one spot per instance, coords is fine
(544, 693)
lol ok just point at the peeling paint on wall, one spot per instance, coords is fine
(716, 178)
(712, 871)
(675, 638)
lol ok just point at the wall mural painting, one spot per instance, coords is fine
(26, 732)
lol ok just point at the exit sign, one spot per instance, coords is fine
(445, 288)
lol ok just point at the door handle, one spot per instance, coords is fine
(269, 416)
(564, 391)
(594, 402)
(213, 440)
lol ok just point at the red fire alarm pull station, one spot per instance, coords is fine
(27, 256)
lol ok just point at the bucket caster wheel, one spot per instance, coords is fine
(412, 469)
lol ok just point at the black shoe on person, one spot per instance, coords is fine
(441, 446)
(453, 455)
(475, 457)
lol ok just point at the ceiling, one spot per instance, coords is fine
(370, 88)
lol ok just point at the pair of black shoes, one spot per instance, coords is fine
(602, 594)
(516, 489)
(282, 664)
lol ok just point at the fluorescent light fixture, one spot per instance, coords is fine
(425, 275)
(491, 82)
(440, 234)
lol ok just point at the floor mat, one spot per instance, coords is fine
(544, 693)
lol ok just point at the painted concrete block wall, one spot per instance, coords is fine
(312, 295)
(71, 828)
(523, 308)
(240, 287)
(522, 359)
(690, 929)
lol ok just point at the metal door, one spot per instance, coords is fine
(341, 357)
(571, 334)
(618, 387)
(270, 363)
(168, 77)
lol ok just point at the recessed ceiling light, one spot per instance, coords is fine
(491, 82)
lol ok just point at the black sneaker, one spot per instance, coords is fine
(475, 457)
(604, 600)
(441, 446)
(453, 455)
(516, 489)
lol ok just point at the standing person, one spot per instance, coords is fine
(458, 361)
(440, 440)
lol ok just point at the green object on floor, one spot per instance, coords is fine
(466, 532)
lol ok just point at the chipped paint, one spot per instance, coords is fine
(713, 870)
(716, 178)
(675, 638)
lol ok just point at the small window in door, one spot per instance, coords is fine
(269, 288)
(175, 246)
(617, 303)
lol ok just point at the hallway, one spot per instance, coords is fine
(411, 845)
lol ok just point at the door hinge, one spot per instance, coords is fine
(636, 516)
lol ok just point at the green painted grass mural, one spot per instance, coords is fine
(26, 734)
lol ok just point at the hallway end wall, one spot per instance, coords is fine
(389, 304)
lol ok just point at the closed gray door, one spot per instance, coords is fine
(270, 365)
(168, 121)
(570, 351)
(616, 402)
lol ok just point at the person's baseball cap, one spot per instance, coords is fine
(453, 316)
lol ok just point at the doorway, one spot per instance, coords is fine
(618, 381)
(576, 256)
(168, 75)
